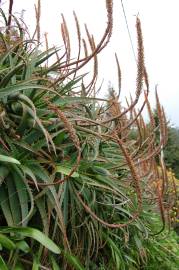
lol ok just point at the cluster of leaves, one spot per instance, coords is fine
(172, 150)
(68, 165)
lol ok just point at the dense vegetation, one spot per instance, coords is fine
(77, 191)
(172, 150)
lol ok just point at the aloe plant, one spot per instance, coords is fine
(72, 175)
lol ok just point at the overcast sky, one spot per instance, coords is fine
(160, 22)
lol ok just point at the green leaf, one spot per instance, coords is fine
(36, 263)
(4, 203)
(22, 245)
(66, 171)
(6, 242)
(30, 173)
(73, 261)
(138, 242)
(54, 264)
(35, 234)
(3, 265)
(9, 75)
(45, 55)
(4, 171)
(43, 213)
(21, 188)
(4, 158)
(9, 90)
(13, 201)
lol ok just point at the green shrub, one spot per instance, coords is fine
(69, 167)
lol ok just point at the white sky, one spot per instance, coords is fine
(160, 22)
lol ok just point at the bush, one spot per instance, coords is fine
(69, 167)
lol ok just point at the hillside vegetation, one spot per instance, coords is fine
(77, 189)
